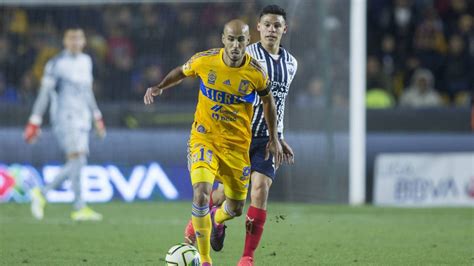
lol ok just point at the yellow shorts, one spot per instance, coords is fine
(230, 167)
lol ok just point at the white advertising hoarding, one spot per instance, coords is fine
(424, 179)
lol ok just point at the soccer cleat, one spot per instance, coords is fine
(189, 234)
(86, 214)
(217, 232)
(37, 203)
(245, 261)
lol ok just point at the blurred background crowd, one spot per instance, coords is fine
(420, 52)
(132, 46)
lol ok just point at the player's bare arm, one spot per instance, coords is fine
(173, 78)
(273, 146)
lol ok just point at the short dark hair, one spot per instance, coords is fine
(273, 9)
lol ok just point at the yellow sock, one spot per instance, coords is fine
(222, 214)
(202, 227)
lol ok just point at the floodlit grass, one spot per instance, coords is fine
(295, 234)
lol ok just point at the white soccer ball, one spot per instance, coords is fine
(183, 255)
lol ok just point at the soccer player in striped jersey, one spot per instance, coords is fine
(67, 87)
(221, 133)
(281, 67)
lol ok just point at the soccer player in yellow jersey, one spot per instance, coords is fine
(221, 134)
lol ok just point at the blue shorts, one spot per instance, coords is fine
(257, 157)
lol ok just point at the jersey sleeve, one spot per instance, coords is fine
(296, 67)
(191, 66)
(263, 84)
(262, 81)
(91, 101)
(50, 76)
(48, 82)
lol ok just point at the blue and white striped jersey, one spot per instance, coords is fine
(67, 87)
(281, 73)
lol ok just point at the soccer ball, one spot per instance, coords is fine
(182, 255)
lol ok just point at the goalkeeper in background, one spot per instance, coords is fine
(67, 87)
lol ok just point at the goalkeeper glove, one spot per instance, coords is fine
(32, 129)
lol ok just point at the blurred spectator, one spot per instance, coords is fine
(186, 48)
(377, 98)
(340, 97)
(120, 63)
(7, 62)
(7, 93)
(149, 76)
(28, 88)
(429, 41)
(399, 20)
(186, 19)
(248, 13)
(456, 9)
(379, 86)
(376, 78)
(314, 95)
(402, 77)
(118, 17)
(388, 55)
(149, 31)
(213, 41)
(411, 65)
(458, 72)
(466, 30)
(97, 46)
(421, 92)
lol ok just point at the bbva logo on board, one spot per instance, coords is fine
(99, 183)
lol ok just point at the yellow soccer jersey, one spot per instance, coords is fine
(224, 110)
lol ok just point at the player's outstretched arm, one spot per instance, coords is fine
(172, 79)
(273, 145)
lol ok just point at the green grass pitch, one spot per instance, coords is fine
(295, 234)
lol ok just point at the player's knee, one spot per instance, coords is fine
(201, 199)
(260, 190)
(218, 196)
(239, 212)
(237, 208)
(201, 193)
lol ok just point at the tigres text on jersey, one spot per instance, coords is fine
(224, 110)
